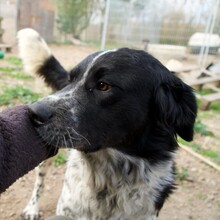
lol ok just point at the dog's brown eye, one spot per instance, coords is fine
(103, 86)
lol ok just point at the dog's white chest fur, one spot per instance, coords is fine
(110, 185)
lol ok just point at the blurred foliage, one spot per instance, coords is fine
(202, 196)
(17, 93)
(201, 129)
(205, 92)
(60, 159)
(18, 75)
(14, 60)
(7, 69)
(73, 16)
(206, 152)
(215, 106)
(182, 174)
(211, 154)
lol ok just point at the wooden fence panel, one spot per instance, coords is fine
(37, 14)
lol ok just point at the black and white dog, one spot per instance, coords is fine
(120, 112)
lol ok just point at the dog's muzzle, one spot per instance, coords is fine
(40, 113)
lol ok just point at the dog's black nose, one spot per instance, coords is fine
(40, 113)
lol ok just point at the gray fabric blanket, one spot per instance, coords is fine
(21, 148)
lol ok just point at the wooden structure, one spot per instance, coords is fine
(208, 99)
(37, 14)
(209, 81)
(5, 47)
(1, 30)
(203, 79)
(198, 84)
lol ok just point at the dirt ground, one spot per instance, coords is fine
(197, 197)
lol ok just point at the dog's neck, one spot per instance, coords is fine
(110, 166)
(114, 164)
(116, 184)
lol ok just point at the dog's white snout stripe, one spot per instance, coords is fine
(82, 81)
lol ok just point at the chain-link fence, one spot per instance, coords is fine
(174, 26)
(143, 24)
(134, 22)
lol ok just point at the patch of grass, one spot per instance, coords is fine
(14, 60)
(205, 152)
(7, 69)
(181, 141)
(24, 95)
(196, 147)
(182, 174)
(210, 153)
(205, 92)
(215, 106)
(60, 159)
(206, 114)
(198, 101)
(14, 72)
(213, 155)
(217, 159)
(59, 42)
(201, 128)
(202, 196)
(19, 75)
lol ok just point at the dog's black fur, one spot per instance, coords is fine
(125, 100)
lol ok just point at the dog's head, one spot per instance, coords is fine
(123, 99)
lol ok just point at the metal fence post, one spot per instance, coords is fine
(105, 26)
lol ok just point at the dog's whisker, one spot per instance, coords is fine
(50, 143)
(70, 137)
(46, 138)
(61, 114)
(65, 141)
(74, 138)
(61, 141)
(51, 139)
(57, 144)
(81, 136)
(82, 106)
(60, 108)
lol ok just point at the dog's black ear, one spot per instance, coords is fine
(176, 107)
(53, 73)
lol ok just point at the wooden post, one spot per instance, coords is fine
(1, 30)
